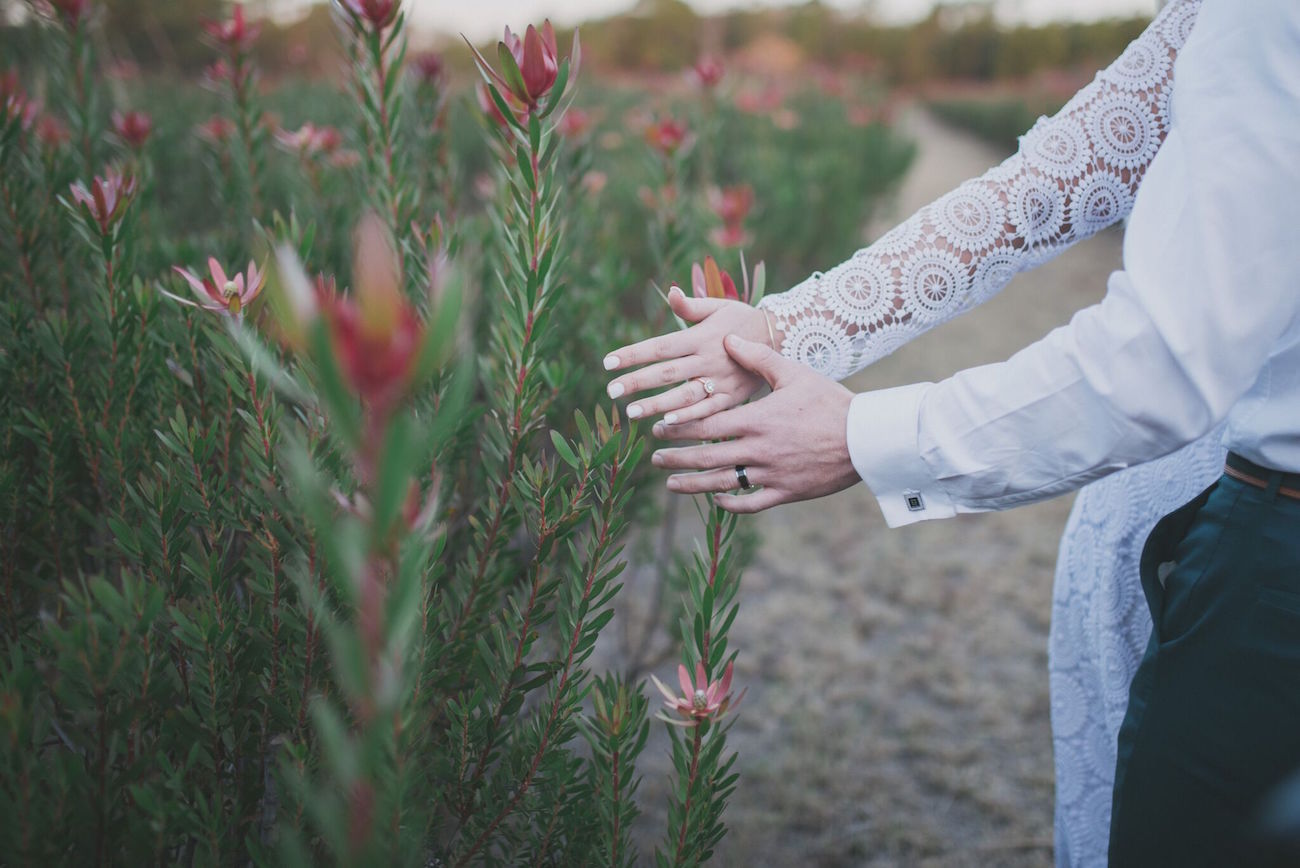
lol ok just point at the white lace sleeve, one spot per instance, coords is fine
(1075, 174)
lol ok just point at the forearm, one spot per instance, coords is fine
(1074, 174)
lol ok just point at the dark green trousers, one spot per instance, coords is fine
(1213, 722)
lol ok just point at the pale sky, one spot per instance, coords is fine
(480, 19)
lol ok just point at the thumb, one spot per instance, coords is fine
(691, 309)
(759, 358)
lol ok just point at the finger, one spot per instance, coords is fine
(656, 349)
(656, 376)
(707, 456)
(748, 504)
(719, 426)
(710, 481)
(759, 358)
(700, 409)
(692, 309)
(686, 395)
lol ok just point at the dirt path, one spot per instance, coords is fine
(898, 708)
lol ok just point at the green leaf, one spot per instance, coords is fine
(564, 450)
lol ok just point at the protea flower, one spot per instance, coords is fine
(710, 281)
(310, 140)
(219, 293)
(430, 65)
(666, 135)
(708, 71)
(236, 33)
(106, 199)
(379, 13)
(377, 335)
(73, 12)
(731, 204)
(15, 105)
(133, 128)
(216, 130)
(701, 700)
(536, 57)
(52, 133)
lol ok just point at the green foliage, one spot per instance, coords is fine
(319, 576)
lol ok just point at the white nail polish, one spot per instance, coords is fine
(634, 411)
(611, 362)
(671, 418)
(616, 390)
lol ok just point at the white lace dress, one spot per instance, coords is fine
(1074, 174)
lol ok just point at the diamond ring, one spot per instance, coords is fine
(709, 386)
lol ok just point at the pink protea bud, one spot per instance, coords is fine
(133, 127)
(430, 66)
(235, 33)
(666, 136)
(537, 58)
(731, 204)
(376, 334)
(708, 71)
(71, 12)
(52, 133)
(378, 13)
(538, 63)
(106, 199)
(15, 107)
(221, 294)
(216, 130)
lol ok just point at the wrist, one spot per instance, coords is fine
(773, 336)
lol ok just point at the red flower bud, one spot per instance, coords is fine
(430, 65)
(708, 72)
(666, 136)
(133, 128)
(236, 34)
(73, 12)
(379, 13)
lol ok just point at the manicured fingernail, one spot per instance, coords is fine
(611, 362)
(634, 411)
(675, 288)
(616, 390)
(671, 418)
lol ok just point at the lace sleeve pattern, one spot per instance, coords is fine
(1074, 174)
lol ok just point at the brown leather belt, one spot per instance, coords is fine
(1261, 477)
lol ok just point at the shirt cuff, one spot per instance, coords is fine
(882, 435)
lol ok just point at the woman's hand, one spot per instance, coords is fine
(688, 357)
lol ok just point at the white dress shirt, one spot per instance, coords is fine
(1202, 324)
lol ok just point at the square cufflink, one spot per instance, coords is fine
(914, 501)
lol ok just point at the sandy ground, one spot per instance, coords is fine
(898, 704)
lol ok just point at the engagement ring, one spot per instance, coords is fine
(709, 386)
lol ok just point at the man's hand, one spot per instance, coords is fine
(791, 443)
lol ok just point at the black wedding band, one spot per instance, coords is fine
(742, 478)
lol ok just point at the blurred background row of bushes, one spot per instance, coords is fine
(955, 41)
